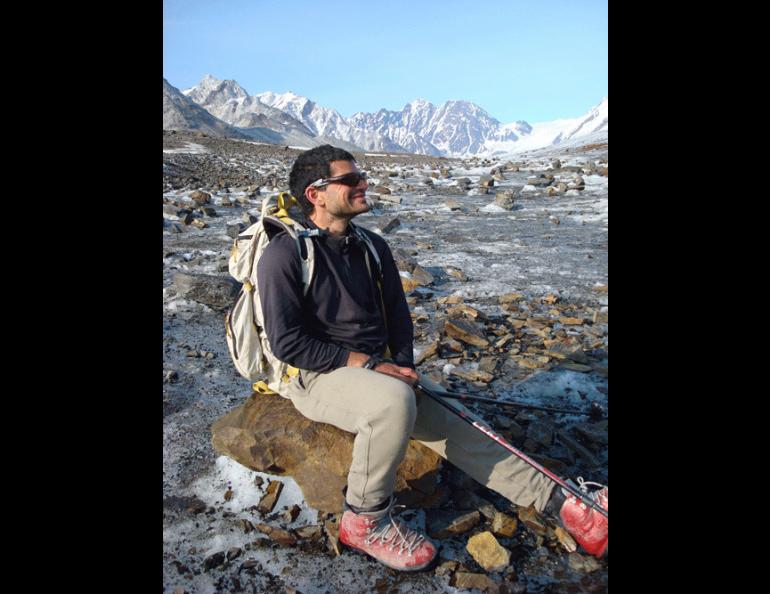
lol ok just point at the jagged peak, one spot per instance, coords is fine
(419, 102)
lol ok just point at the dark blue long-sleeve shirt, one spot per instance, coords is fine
(341, 311)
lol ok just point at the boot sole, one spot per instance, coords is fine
(380, 561)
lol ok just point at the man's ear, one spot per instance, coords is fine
(312, 195)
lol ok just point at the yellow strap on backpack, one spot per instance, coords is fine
(261, 386)
(285, 201)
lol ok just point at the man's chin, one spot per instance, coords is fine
(367, 204)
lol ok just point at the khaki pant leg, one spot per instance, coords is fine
(378, 409)
(476, 454)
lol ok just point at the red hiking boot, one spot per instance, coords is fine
(391, 543)
(586, 525)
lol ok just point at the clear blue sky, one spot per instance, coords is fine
(517, 59)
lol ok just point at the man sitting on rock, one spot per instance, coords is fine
(338, 336)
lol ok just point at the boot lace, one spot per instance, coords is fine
(390, 531)
(583, 486)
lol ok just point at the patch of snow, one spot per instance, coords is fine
(229, 474)
(492, 207)
(189, 147)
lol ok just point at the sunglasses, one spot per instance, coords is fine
(349, 179)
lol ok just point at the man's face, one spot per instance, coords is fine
(341, 200)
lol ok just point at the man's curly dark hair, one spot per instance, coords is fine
(310, 166)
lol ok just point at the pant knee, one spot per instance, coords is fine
(401, 405)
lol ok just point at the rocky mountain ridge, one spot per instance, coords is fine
(456, 128)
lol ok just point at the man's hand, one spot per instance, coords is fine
(405, 374)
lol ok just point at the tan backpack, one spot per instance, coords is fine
(244, 323)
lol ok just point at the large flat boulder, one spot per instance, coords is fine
(267, 434)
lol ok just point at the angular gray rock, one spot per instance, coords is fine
(217, 292)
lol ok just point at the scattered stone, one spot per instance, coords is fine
(171, 377)
(216, 292)
(408, 283)
(505, 199)
(595, 432)
(268, 501)
(213, 561)
(576, 367)
(541, 432)
(565, 539)
(532, 519)
(198, 224)
(465, 310)
(291, 514)
(466, 332)
(577, 448)
(447, 567)
(541, 181)
(200, 197)
(486, 181)
(583, 563)
(233, 553)
(391, 226)
(510, 298)
(309, 532)
(196, 507)
(456, 273)
(487, 552)
(283, 537)
(504, 525)
(250, 564)
(392, 199)
(465, 498)
(445, 524)
(452, 345)
(332, 529)
(473, 375)
(571, 321)
(468, 581)
(451, 300)
(235, 230)
(421, 276)
(429, 351)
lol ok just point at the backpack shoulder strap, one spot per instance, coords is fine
(303, 240)
(369, 245)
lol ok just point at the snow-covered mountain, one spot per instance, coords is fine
(593, 125)
(328, 122)
(230, 102)
(455, 128)
(180, 113)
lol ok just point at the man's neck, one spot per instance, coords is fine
(332, 224)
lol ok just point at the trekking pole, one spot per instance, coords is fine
(567, 485)
(596, 409)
